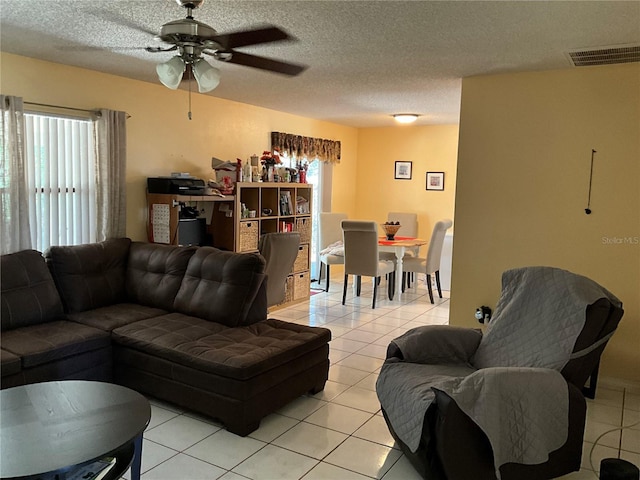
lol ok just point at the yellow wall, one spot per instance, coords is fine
(160, 137)
(523, 177)
(430, 148)
(525, 143)
(161, 140)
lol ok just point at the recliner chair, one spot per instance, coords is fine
(509, 400)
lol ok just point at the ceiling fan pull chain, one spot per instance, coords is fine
(189, 68)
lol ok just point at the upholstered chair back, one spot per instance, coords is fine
(330, 228)
(435, 245)
(409, 222)
(360, 247)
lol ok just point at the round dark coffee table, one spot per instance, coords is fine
(48, 429)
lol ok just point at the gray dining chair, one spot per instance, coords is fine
(330, 233)
(431, 264)
(409, 228)
(361, 257)
(409, 222)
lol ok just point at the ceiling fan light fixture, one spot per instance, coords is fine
(406, 117)
(170, 72)
(207, 77)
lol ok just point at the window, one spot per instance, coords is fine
(319, 174)
(61, 180)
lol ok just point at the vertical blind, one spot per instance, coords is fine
(61, 180)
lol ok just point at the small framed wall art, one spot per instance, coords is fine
(435, 180)
(403, 170)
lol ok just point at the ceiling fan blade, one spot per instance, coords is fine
(87, 48)
(256, 36)
(114, 17)
(264, 63)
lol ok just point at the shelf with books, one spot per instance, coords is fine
(278, 207)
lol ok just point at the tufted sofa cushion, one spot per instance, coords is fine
(155, 272)
(52, 341)
(224, 287)
(114, 316)
(9, 363)
(28, 294)
(90, 276)
(240, 353)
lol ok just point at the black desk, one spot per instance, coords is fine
(47, 429)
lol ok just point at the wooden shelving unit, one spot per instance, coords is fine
(276, 209)
(273, 214)
(163, 218)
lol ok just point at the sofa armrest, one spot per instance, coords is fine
(436, 344)
(522, 410)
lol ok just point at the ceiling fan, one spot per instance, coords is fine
(192, 39)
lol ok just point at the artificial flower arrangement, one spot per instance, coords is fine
(269, 159)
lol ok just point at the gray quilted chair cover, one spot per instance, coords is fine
(279, 251)
(509, 402)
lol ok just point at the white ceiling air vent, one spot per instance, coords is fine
(605, 55)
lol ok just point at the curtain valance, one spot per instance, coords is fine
(312, 148)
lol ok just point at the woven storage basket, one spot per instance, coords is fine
(302, 260)
(288, 292)
(303, 227)
(248, 236)
(301, 285)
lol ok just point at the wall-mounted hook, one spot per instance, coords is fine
(588, 209)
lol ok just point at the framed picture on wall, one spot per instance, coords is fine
(403, 170)
(435, 180)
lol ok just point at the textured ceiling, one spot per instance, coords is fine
(367, 59)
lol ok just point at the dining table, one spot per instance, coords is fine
(399, 246)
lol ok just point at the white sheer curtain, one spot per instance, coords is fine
(14, 230)
(111, 162)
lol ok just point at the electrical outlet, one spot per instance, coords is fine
(483, 314)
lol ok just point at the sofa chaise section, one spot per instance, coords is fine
(237, 375)
(217, 353)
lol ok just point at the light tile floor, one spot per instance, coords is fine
(340, 433)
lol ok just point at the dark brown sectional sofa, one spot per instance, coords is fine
(184, 324)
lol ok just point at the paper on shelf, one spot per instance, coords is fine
(160, 218)
(93, 471)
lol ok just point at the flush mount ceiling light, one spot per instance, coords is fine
(406, 117)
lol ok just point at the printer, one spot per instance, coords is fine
(176, 185)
